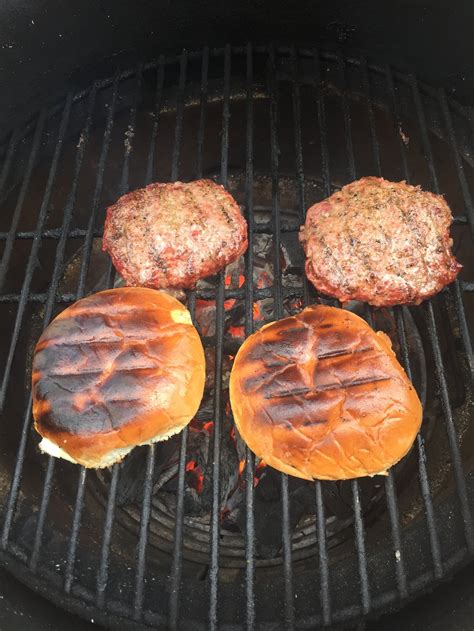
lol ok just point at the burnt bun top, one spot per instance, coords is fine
(116, 369)
(320, 395)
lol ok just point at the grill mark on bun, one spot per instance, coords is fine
(344, 351)
(322, 356)
(331, 386)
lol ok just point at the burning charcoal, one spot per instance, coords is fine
(338, 498)
(210, 372)
(267, 502)
(133, 468)
(229, 468)
(199, 440)
(205, 316)
(292, 255)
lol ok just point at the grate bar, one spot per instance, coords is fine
(178, 131)
(58, 263)
(422, 460)
(202, 109)
(465, 191)
(216, 447)
(76, 525)
(422, 471)
(467, 198)
(176, 568)
(79, 233)
(143, 535)
(296, 95)
(434, 339)
(321, 115)
(87, 246)
(274, 153)
(249, 541)
(103, 573)
(21, 198)
(278, 311)
(68, 211)
(32, 258)
(177, 565)
(360, 546)
(204, 294)
(358, 521)
(47, 486)
(249, 327)
(16, 480)
(397, 120)
(424, 133)
(463, 326)
(216, 451)
(351, 167)
(12, 145)
(396, 535)
(324, 592)
(85, 262)
(128, 148)
(287, 556)
(49, 233)
(457, 159)
(450, 427)
(423, 474)
(370, 113)
(160, 77)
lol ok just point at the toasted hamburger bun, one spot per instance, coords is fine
(322, 396)
(121, 368)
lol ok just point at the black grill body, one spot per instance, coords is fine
(281, 127)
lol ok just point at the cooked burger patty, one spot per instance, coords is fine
(381, 242)
(171, 235)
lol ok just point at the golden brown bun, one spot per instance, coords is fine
(120, 368)
(322, 396)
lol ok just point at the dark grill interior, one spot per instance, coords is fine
(193, 533)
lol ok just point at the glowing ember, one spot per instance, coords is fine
(241, 280)
(197, 475)
(241, 466)
(227, 281)
(237, 331)
(228, 304)
(257, 312)
(258, 472)
(208, 426)
(264, 280)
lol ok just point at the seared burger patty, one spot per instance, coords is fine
(171, 235)
(381, 242)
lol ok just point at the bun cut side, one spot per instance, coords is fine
(121, 368)
(320, 395)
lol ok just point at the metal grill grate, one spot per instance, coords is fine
(296, 124)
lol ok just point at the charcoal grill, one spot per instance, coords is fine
(281, 127)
